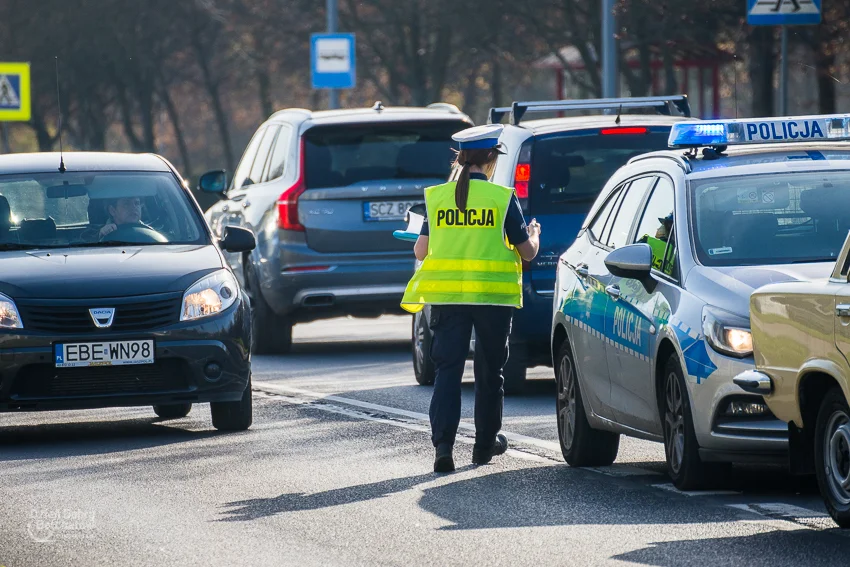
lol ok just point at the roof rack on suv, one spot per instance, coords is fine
(664, 105)
(448, 107)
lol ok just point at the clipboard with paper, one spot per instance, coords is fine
(415, 218)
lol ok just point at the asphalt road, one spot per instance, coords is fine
(337, 471)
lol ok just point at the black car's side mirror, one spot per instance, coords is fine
(237, 239)
(632, 262)
(213, 182)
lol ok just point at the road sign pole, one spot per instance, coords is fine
(333, 94)
(609, 51)
(783, 74)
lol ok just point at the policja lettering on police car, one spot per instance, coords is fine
(784, 130)
(469, 217)
(471, 277)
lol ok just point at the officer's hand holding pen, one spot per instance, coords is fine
(533, 228)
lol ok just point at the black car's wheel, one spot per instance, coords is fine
(686, 469)
(234, 416)
(832, 455)
(515, 369)
(581, 445)
(270, 332)
(172, 411)
(423, 366)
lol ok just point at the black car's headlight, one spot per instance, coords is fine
(209, 295)
(727, 333)
(9, 316)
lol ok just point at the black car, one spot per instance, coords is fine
(113, 291)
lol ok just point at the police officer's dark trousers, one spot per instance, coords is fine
(452, 330)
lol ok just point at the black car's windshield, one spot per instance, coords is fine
(778, 218)
(47, 210)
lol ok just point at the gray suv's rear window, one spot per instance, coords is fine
(569, 171)
(340, 155)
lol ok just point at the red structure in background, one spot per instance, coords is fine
(697, 74)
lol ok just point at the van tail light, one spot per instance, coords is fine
(522, 175)
(287, 203)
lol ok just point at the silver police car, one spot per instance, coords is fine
(651, 308)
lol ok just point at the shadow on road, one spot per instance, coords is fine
(778, 548)
(28, 442)
(245, 510)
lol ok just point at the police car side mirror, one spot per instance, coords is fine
(632, 262)
(237, 239)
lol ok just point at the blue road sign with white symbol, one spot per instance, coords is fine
(783, 12)
(332, 60)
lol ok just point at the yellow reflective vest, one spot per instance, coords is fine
(469, 261)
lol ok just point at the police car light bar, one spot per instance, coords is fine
(830, 127)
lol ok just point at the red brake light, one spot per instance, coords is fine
(522, 175)
(630, 130)
(287, 203)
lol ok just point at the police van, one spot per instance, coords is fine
(651, 321)
(557, 166)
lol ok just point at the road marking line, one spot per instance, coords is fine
(670, 488)
(517, 437)
(399, 423)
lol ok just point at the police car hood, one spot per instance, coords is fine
(729, 288)
(82, 273)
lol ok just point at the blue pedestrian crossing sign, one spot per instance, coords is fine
(15, 92)
(783, 12)
(332, 61)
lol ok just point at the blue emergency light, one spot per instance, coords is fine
(831, 127)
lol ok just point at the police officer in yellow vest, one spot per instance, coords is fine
(471, 249)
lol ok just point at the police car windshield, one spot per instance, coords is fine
(48, 210)
(778, 218)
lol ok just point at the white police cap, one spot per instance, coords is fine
(483, 137)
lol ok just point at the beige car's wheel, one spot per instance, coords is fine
(832, 455)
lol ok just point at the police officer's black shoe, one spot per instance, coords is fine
(482, 456)
(443, 462)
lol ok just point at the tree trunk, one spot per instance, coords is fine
(212, 87)
(670, 86)
(824, 63)
(174, 116)
(762, 63)
(265, 87)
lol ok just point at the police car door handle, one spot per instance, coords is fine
(582, 270)
(613, 291)
(842, 310)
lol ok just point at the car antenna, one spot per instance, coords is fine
(59, 105)
(619, 112)
(735, 69)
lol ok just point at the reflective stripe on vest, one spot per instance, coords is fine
(469, 261)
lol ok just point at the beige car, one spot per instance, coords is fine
(801, 335)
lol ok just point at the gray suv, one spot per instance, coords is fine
(323, 192)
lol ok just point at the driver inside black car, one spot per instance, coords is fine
(124, 210)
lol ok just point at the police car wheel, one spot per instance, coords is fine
(515, 369)
(832, 455)
(581, 445)
(234, 416)
(681, 449)
(270, 333)
(423, 366)
(172, 411)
